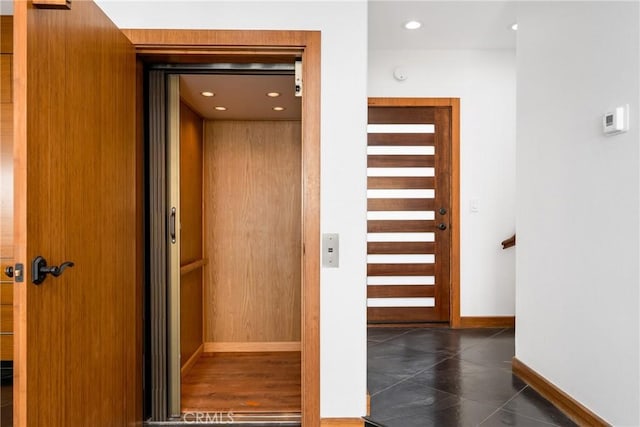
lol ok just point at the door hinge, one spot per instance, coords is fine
(298, 78)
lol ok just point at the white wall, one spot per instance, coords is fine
(484, 80)
(6, 7)
(344, 75)
(577, 298)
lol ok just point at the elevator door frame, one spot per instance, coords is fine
(212, 46)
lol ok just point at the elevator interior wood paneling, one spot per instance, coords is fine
(191, 249)
(240, 257)
(252, 211)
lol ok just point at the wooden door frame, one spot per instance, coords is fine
(198, 46)
(454, 251)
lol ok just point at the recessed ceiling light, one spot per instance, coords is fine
(207, 93)
(221, 108)
(273, 94)
(278, 108)
(514, 27)
(412, 25)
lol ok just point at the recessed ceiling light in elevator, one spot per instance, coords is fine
(245, 97)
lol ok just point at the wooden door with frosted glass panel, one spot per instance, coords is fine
(409, 227)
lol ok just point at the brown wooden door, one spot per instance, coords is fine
(409, 229)
(6, 187)
(75, 200)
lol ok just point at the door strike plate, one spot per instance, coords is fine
(18, 273)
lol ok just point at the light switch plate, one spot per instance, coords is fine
(474, 206)
(330, 250)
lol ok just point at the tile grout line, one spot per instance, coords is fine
(431, 366)
(529, 417)
(523, 415)
(389, 339)
(499, 408)
(404, 379)
(413, 376)
(481, 341)
(489, 416)
(399, 335)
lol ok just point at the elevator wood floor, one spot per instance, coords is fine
(243, 382)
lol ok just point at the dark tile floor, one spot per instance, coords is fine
(434, 377)
(446, 378)
(6, 395)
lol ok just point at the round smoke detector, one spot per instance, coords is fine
(400, 74)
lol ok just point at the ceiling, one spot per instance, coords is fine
(452, 24)
(244, 96)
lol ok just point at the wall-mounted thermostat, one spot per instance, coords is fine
(616, 121)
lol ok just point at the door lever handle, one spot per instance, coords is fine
(40, 269)
(57, 271)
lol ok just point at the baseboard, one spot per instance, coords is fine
(342, 422)
(368, 404)
(462, 322)
(192, 361)
(409, 325)
(561, 400)
(242, 347)
(488, 322)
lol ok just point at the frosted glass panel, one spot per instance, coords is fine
(401, 280)
(401, 259)
(401, 237)
(401, 194)
(401, 215)
(401, 150)
(401, 172)
(396, 128)
(401, 302)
